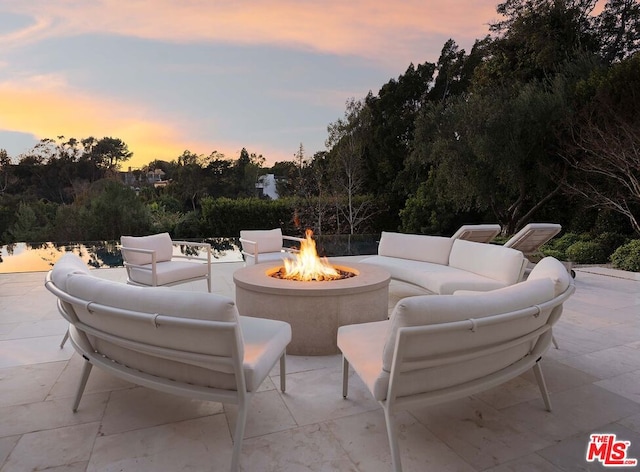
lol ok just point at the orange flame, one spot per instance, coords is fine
(307, 265)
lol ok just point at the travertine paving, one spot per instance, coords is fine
(594, 380)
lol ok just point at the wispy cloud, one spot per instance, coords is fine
(382, 31)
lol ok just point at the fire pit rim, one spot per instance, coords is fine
(256, 278)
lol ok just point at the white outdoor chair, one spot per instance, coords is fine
(149, 261)
(477, 233)
(530, 238)
(437, 348)
(265, 245)
(192, 344)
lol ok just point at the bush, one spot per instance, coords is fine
(587, 252)
(627, 257)
(558, 247)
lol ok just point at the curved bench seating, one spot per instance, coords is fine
(444, 265)
(437, 348)
(179, 342)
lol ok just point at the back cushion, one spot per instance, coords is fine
(161, 243)
(268, 240)
(416, 247)
(435, 309)
(553, 269)
(68, 264)
(154, 301)
(496, 262)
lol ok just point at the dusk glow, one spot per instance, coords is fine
(167, 76)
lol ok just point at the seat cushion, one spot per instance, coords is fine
(169, 272)
(264, 342)
(436, 278)
(362, 345)
(160, 243)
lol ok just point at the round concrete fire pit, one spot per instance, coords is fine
(314, 309)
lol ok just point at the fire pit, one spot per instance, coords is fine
(314, 307)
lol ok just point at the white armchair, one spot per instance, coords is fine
(149, 261)
(265, 245)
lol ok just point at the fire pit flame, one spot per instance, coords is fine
(308, 265)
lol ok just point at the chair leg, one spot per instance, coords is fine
(345, 377)
(86, 370)
(239, 434)
(283, 372)
(555, 343)
(393, 439)
(64, 340)
(537, 370)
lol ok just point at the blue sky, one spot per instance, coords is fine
(209, 75)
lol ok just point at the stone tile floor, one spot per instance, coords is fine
(594, 380)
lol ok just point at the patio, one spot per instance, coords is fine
(594, 380)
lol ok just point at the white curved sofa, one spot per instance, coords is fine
(443, 265)
(180, 342)
(437, 348)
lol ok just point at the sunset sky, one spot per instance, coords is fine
(210, 75)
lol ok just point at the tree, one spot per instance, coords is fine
(604, 149)
(618, 27)
(346, 144)
(538, 37)
(389, 135)
(6, 171)
(109, 152)
(496, 152)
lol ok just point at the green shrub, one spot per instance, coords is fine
(557, 247)
(627, 257)
(587, 252)
(610, 242)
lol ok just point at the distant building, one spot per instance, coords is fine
(266, 186)
(136, 178)
(156, 177)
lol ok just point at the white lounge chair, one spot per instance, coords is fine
(477, 233)
(265, 245)
(530, 238)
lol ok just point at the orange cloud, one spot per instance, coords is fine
(43, 106)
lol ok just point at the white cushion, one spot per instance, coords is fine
(267, 240)
(552, 268)
(362, 345)
(416, 247)
(496, 262)
(68, 264)
(161, 243)
(436, 278)
(264, 341)
(429, 309)
(169, 272)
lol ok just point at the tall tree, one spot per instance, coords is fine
(604, 148)
(618, 27)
